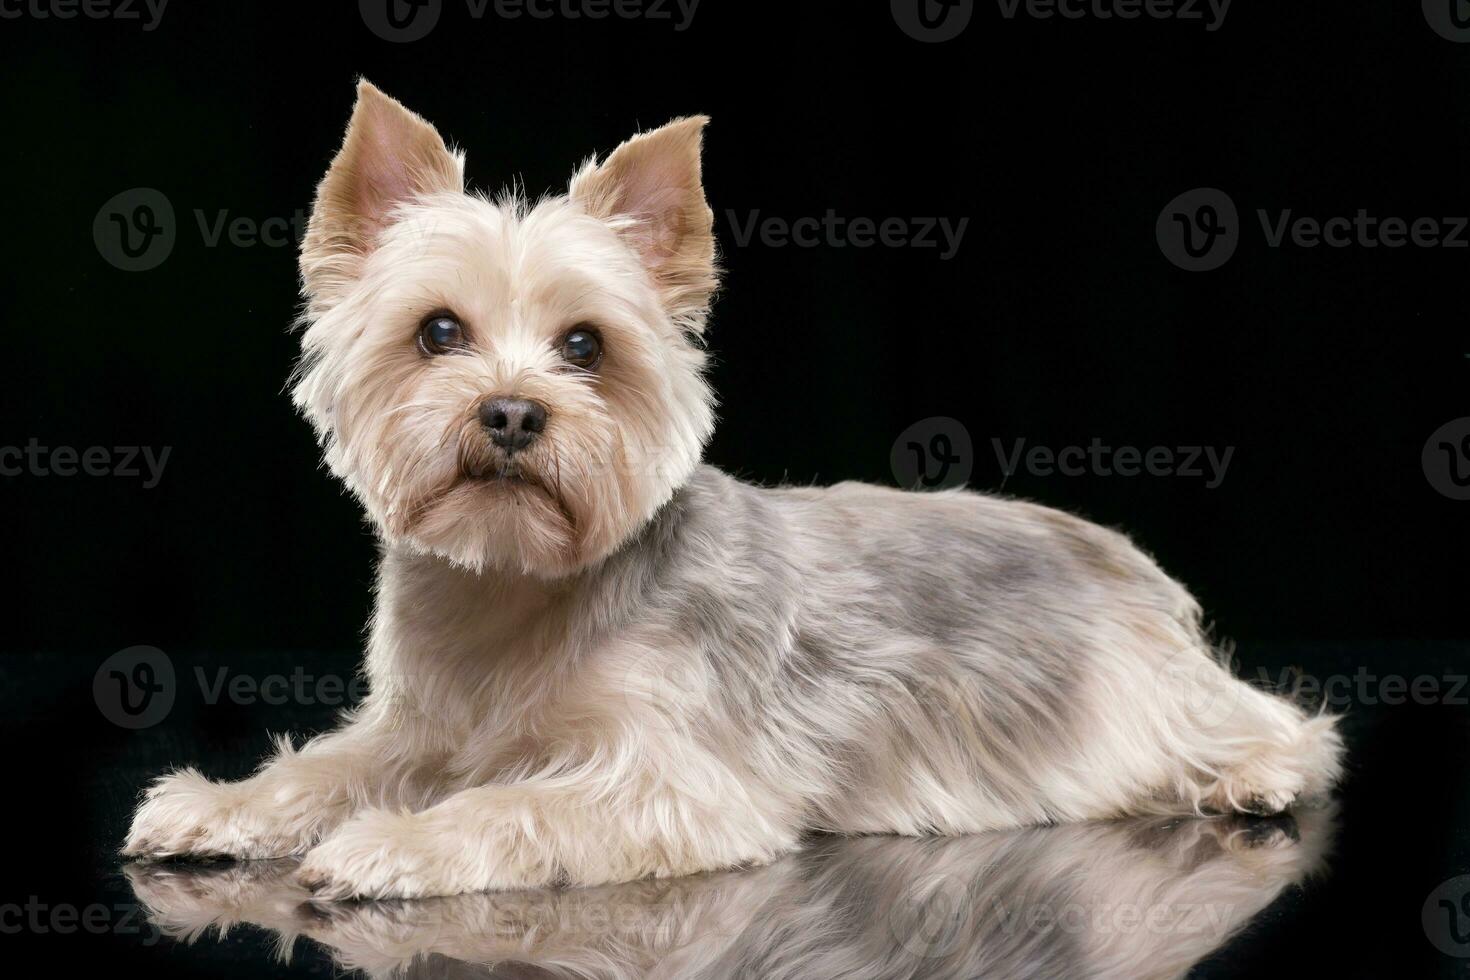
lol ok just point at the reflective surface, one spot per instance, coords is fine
(1131, 899)
(1376, 886)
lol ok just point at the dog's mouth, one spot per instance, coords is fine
(511, 471)
(506, 477)
(510, 474)
(507, 474)
(487, 476)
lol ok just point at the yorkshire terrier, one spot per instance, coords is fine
(595, 659)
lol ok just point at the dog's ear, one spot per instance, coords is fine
(650, 190)
(389, 157)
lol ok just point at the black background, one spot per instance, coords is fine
(1058, 321)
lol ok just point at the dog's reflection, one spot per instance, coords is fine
(1132, 899)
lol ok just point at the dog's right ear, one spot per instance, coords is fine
(389, 157)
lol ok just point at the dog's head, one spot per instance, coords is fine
(504, 385)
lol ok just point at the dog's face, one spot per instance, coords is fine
(507, 386)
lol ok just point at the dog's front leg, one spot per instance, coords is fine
(289, 804)
(584, 828)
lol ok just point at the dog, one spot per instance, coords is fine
(595, 659)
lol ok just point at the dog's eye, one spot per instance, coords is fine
(581, 348)
(440, 334)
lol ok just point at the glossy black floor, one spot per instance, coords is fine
(1369, 886)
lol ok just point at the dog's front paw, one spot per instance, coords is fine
(379, 854)
(185, 815)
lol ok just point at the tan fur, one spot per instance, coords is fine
(388, 157)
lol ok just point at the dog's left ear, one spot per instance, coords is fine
(389, 157)
(650, 190)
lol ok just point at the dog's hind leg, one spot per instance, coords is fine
(1243, 749)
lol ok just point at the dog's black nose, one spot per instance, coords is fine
(513, 423)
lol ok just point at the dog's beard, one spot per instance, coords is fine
(481, 462)
(495, 508)
(567, 500)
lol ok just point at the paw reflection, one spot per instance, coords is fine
(1131, 899)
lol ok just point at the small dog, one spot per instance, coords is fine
(595, 659)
